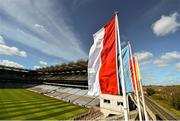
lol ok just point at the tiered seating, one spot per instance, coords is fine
(60, 92)
(83, 100)
(36, 89)
(56, 93)
(74, 95)
(70, 74)
(72, 98)
(71, 92)
(73, 74)
(43, 89)
(64, 95)
(94, 102)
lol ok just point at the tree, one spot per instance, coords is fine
(150, 91)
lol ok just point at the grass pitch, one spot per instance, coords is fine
(21, 104)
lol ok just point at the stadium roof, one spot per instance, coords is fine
(2, 67)
(80, 66)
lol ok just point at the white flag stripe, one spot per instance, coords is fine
(94, 63)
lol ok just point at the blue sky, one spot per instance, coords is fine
(36, 33)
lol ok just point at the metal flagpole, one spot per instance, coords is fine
(144, 105)
(122, 71)
(127, 102)
(137, 94)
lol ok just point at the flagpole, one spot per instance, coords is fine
(127, 102)
(122, 72)
(137, 94)
(144, 105)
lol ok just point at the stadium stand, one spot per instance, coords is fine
(67, 82)
(74, 95)
(70, 75)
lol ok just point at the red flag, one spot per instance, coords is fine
(102, 65)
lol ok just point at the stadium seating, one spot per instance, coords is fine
(74, 95)
(66, 81)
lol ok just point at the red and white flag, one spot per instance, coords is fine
(102, 64)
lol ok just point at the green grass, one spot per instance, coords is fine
(21, 104)
(166, 105)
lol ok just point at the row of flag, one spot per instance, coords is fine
(104, 74)
(112, 70)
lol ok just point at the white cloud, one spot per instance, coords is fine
(36, 67)
(166, 25)
(160, 63)
(174, 55)
(143, 56)
(43, 27)
(178, 66)
(2, 40)
(6, 50)
(145, 62)
(43, 63)
(11, 64)
(166, 58)
(146, 58)
(40, 27)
